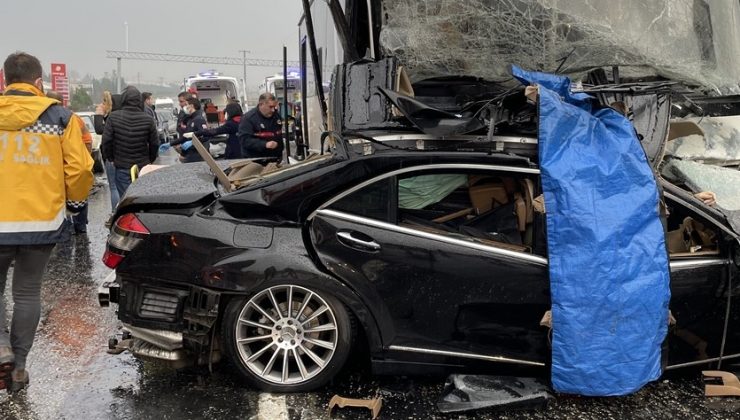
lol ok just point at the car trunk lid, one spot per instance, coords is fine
(175, 184)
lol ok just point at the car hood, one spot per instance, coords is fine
(177, 184)
(685, 40)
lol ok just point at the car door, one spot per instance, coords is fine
(440, 291)
(700, 288)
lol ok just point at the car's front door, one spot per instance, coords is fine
(445, 285)
(700, 286)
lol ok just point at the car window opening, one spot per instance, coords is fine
(502, 211)
(689, 236)
(492, 210)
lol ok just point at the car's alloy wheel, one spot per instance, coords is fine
(288, 337)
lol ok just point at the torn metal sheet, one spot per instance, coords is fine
(693, 41)
(474, 392)
(432, 120)
(720, 144)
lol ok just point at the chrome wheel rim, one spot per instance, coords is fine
(286, 334)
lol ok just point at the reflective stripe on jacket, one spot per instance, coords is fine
(44, 166)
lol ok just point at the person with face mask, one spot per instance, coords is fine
(233, 116)
(45, 174)
(260, 130)
(193, 122)
(182, 99)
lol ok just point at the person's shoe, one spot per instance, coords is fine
(19, 381)
(7, 363)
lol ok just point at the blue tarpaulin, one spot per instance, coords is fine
(609, 274)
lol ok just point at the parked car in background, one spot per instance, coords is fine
(167, 125)
(87, 118)
(162, 104)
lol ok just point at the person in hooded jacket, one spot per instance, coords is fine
(129, 138)
(102, 111)
(45, 174)
(194, 122)
(233, 116)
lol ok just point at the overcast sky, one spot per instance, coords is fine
(78, 32)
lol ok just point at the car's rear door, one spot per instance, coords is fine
(434, 290)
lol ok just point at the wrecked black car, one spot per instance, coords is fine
(416, 231)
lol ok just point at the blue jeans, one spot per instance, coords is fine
(123, 180)
(110, 173)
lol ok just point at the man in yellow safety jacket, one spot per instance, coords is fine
(45, 174)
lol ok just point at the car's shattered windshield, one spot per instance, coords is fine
(483, 37)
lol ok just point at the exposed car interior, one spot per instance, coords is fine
(493, 210)
(689, 236)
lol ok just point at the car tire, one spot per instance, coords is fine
(316, 336)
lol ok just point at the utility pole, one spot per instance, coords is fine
(119, 80)
(244, 80)
(118, 73)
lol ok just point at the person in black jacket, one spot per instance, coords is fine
(193, 122)
(260, 130)
(233, 115)
(129, 138)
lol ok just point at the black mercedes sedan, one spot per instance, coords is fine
(427, 261)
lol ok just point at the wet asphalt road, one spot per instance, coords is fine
(72, 377)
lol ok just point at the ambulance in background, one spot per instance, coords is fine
(214, 91)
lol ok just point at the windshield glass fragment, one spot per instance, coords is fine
(483, 37)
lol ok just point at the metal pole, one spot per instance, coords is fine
(315, 61)
(118, 71)
(303, 147)
(285, 104)
(244, 80)
(125, 24)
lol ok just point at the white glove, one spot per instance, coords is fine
(188, 135)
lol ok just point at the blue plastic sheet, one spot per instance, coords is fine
(609, 272)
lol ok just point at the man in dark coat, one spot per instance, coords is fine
(129, 138)
(260, 130)
(149, 106)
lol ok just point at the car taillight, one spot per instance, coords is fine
(126, 234)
